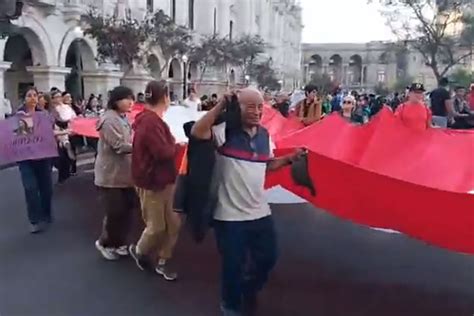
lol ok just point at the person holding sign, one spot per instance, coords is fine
(36, 174)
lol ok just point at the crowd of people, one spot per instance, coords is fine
(141, 174)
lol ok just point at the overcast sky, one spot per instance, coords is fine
(345, 21)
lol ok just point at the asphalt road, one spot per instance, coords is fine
(327, 267)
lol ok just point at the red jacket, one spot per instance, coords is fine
(153, 154)
(470, 100)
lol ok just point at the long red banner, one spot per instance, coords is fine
(382, 174)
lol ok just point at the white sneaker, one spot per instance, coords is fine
(122, 251)
(107, 253)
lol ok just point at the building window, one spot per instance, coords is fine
(173, 10)
(215, 21)
(191, 14)
(149, 5)
(381, 76)
(231, 30)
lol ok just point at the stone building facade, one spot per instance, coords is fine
(51, 50)
(365, 66)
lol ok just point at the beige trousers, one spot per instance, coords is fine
(162, 223)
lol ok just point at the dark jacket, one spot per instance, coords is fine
(153, 154)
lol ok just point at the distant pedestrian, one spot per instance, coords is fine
(192, 101)
(113, 174)
(154, 173)
(414, 113)
(5, 107)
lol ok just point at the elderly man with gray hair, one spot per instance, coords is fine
(243, 222)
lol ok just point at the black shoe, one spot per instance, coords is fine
(249, 304)
(140, 260)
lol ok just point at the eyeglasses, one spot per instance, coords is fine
(347, 102)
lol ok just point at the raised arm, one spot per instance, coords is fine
(202, 129)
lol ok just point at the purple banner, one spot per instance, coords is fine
(27, 137)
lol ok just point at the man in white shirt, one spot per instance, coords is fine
(192, 101)
(243, 222)
(5, 107)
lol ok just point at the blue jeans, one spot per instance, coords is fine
(36, 176)
(249, 252)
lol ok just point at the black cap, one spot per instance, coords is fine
(417, 87)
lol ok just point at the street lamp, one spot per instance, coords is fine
(184, 58)
(280, 82)
(247, 80)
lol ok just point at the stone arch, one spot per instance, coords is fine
(42, 49)
(315, 64)
(355, 70)
(19, 52)
(383, 58)
(80, 59)
(335, 68)
(175, 72)
(193, 71)
(154, 66)
(85, 46)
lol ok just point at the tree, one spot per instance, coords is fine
(323, 82)
(172, 39)
(212, 51)
(265, 75)
(402, 83)
(462, 77)
(120, 41)
(246, 50)
(430, 28)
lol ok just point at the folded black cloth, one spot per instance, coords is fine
(300, 173)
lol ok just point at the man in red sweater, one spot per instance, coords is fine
(470, 97)
(154, 174)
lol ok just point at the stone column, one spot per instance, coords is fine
(46, 77)
(344, 75)
(4, 66)
(102, 80)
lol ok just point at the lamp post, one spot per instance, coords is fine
(184, 58)
(247, 80)
(280, 82)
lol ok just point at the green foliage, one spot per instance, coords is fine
(462, 77)
(323, 82)
(265, 75)
(120, 41)
(173, 39)
(212, 51)
(401, 84)
(430, 29)
(125, 41)
(245, 51)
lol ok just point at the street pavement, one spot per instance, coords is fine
(327, 267)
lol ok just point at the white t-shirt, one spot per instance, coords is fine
(65, 112)
(193, 104)
(240, 174)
